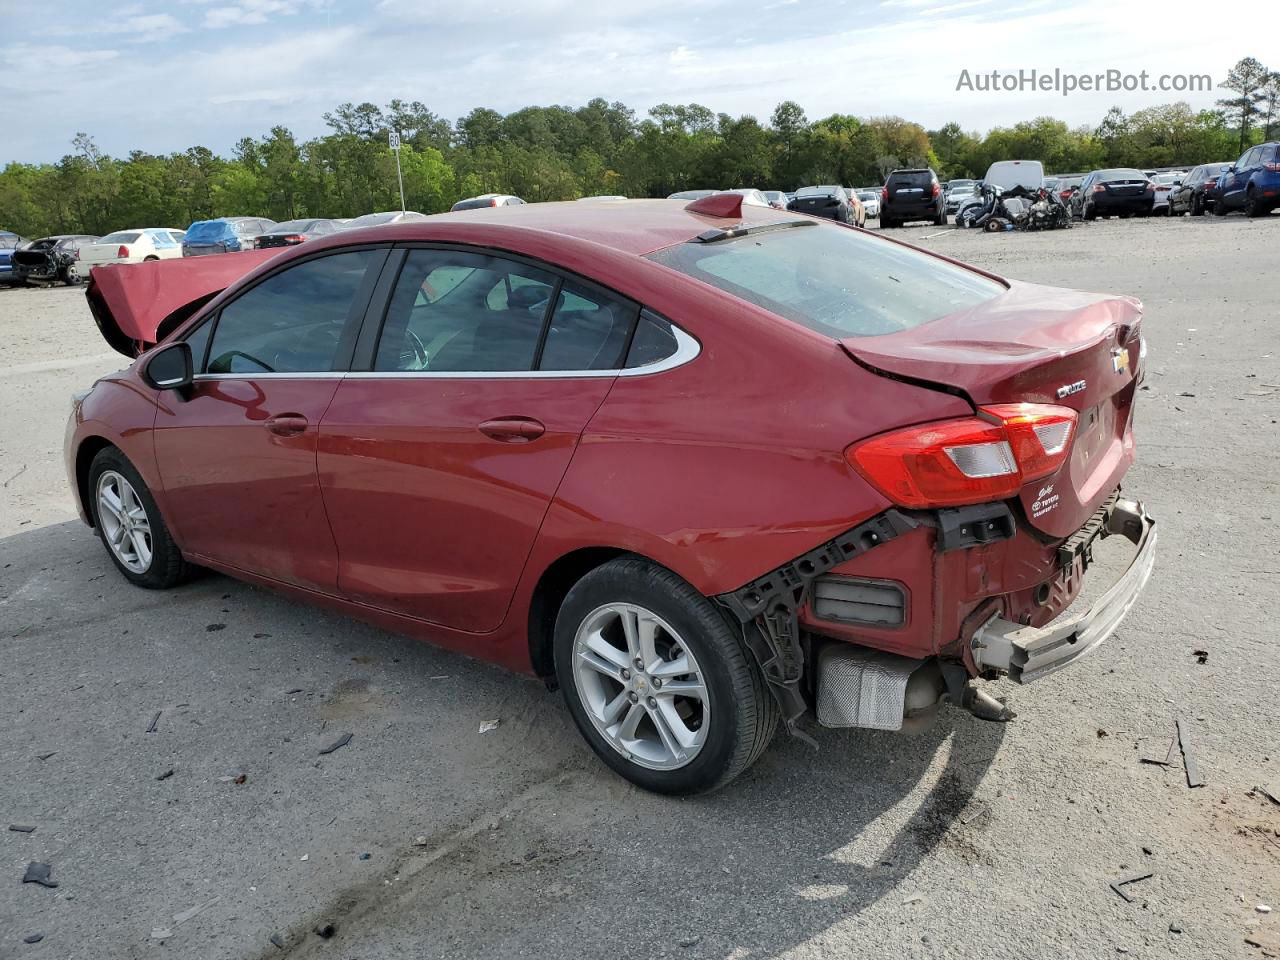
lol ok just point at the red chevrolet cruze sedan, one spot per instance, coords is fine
(707, 466)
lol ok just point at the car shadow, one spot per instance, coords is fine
(523, 838)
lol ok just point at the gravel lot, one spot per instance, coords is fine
(969, 840)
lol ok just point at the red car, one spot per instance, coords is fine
(706, 465)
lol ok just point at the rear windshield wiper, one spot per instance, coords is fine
(715, 236)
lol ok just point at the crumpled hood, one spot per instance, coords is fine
(136, 304)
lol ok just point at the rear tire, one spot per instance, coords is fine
(1219, 207)
(1197, 205)
(129, 524)
(941, 219)
(660, 741)
(1253, 207)
(1088, 213)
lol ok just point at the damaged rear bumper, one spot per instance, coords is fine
(1029, 653)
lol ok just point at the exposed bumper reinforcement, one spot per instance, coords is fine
(1029, 653)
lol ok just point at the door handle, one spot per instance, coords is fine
(513, 429)
(287, 424)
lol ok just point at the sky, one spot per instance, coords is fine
(163, 76)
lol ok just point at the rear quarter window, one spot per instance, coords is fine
(839, 282)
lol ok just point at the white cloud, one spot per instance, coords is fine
(33, 59)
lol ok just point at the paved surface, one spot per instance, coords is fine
(971, 840)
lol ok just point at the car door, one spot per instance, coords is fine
(1233, 189)
(439, 460)
(237, 455)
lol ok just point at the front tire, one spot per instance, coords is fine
(657, 680)
(130, 526)
(1197, 205)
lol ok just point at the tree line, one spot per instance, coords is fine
(559, 153)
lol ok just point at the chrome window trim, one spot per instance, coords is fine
(687, 348)
(326, 375)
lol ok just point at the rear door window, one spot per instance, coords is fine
(457, 312)
(292, 322)
(588, 331)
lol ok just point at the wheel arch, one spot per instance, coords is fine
(553, 585)
(89, 448)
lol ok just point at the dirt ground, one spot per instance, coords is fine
(971, 840)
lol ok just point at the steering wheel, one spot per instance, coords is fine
(417, 353)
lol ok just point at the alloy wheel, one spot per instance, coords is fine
(125, 525)
(641, 686)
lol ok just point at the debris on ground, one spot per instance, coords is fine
(45, 756)
(33, 938)
(290, 693)
(166, 775)
(304, 858)
(487, 725)
(240, 779)
(342, 741)
(914, 898)
(1202, 656)
(215, 627)
(21, 828)
(185, 915)
(1102, 733)
(1194, 778)
(365, 856)
(39, 873)
(973, 814)
(1269, 790)
(161, 933)
(326, 930)
(1175, 927)
(420, 841)
(1262, 908)
(1118, 885)
(151, 727)
(688, 942)
(277, 941)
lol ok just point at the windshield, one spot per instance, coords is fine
(373, 219)
(841, 283)
(122, 237)
(204, 230)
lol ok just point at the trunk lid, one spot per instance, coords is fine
(1035, 344)
(135, 305)
(823, 205)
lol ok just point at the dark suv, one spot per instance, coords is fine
(912, 195)
(1252, 183)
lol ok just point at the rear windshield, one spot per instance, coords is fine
(207, 230)
(1121, 175)
(373, 219)
(910, 178)
(839, 282)
(121, 237)
(823, 191)
(295, 226)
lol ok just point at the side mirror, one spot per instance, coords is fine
(170, 367)
(1231, 169)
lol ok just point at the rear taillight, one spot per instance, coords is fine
(1099, 188)
(971, 460)
(294, 238)
(936, 189)
(1150, 187)
(884, 194)
(1273, 167)
(75, 255)
(122, 251)
(493, 201)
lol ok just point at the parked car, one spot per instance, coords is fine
(1066, 186)
(958, 191)
(1020, 179)
(566, 439)
(9, 242)
(828, 201)
(912, 195)
(1252, 183)
(777, 199)
(1165, 184)
(870, 200)
(224, 235)
(690, 194)
(49, 258)
(484, 200)
(136, 245)
(1195, 194)
(293, 232)
(1108, 193)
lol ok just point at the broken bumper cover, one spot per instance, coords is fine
(1029, 653)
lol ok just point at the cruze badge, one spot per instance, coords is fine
(1067, 389)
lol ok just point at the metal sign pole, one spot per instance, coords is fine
(393, 141)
